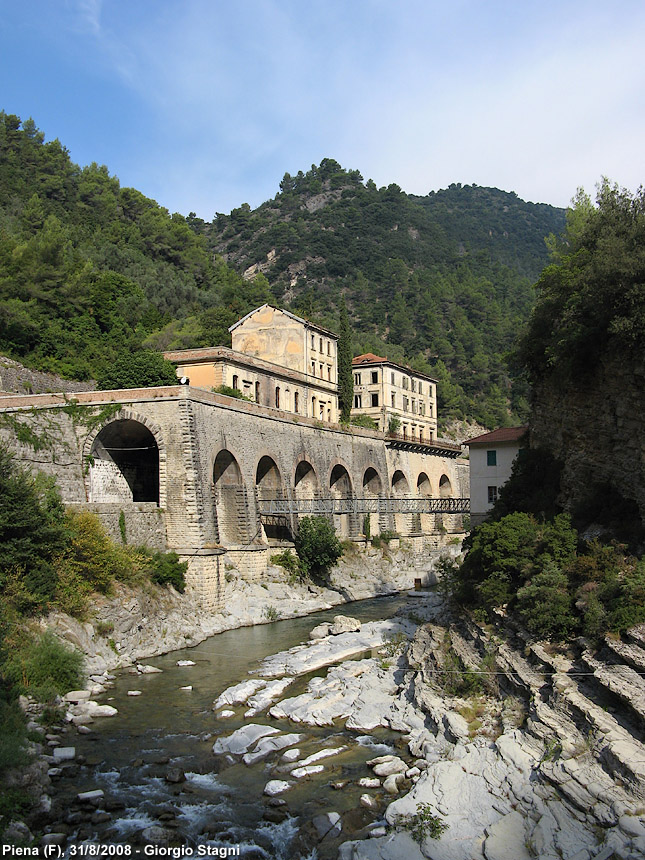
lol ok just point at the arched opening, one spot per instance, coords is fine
(340, 487)
(305, 481)
(443, 521)
(424, 521)
(277, 397)
(268, 484)
(400, 484)
(267, 479)
(372, 482)
(230, 498)
(445, 487)
(124, 464)
(403, 523)
(423, 485)
(226, 470)
(372, 486)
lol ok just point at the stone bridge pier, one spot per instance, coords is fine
(196, 472)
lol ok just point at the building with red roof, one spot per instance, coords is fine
(491, 461)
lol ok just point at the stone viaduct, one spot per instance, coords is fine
(206, 475)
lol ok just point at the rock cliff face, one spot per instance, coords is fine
(595, 427)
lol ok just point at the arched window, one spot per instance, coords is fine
(296, 401)
(277, 397)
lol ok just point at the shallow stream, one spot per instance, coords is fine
(219, 804)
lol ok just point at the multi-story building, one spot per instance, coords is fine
(402, 402)
(491, 462)
(277, 359)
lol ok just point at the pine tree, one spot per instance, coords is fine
(345, 374)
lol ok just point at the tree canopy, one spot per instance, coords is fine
(591, 297)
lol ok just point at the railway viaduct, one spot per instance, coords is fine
(206, 475)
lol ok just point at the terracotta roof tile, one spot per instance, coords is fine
(503, 434)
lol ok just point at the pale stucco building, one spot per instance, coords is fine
(385, 390)
(491, 461)
(277, 360)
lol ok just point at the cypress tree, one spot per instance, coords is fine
(345, 374)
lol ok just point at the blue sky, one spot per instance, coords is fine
(205, 104)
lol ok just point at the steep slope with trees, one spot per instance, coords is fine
(90, 270)
(442, 281)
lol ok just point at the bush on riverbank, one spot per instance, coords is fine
(551, 581)
(317, 546)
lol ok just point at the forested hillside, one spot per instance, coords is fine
(90, 270)
(443, 281)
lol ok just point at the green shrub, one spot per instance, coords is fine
(44, 667)
(544, 604)
(231, 392)
(424, 824)
(317, 545)
(364, 421)
(13, 737)
(166, 569)
(290, 563)
(32, 531)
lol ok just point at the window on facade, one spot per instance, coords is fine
(313, 407)
(322, 410)
(320, 367)
(414, 404)
(405, 382)
(357, 401)
(422, 408)
(296, 401)
(491, 458)
(374, 399)
(420, 434)
(393, 383)
(328, 347)
(492, 495)
(329, 372)
(414, 385)
(313, 342)
(394, 401)
(257, 392)
(375, 376)
(420, 387)
(430, 410)
(277, 398)
(313, 368)
(357, 379)
(405, 404)
(236, 382)
(405, 431)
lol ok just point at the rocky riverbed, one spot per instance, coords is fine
(518, 749)
(132, 625)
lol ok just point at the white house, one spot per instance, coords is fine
(491, 461)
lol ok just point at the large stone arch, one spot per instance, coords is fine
(340, 487)
(269, 485)
(424, 522)
(126, 457)
(372, 488)
(403, 523)
(229, 499)
(305, 481)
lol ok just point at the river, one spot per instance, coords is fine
(219, 804)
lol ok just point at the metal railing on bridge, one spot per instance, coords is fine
(368, 505)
